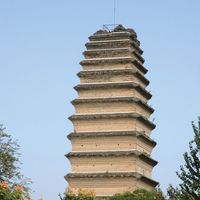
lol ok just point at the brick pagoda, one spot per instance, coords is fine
(111, 144)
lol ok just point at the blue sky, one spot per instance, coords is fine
(41, 45)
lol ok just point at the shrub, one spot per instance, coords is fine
(139, 194)
(79, 195)
(12, 193)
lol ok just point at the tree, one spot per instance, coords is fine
(80, 194)
(190, 172)
(177, 194)
(139, 194)
(9, 158)
(13, 185)
(12, 193)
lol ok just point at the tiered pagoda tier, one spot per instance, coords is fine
(111, 144)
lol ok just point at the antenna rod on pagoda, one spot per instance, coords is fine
(114, 12)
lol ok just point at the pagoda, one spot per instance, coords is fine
(111, 144)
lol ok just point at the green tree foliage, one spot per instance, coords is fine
(78, 197)
(15, 193)
(8, 195)
(9, 158)
(139, 194)
(190, 172)
(13, 185)
(177, 194)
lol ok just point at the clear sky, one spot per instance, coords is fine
(41, 45)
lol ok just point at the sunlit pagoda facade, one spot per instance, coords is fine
(111, 144)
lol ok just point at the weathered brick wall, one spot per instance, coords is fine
(116, 124)
(110, 107)
(112, 78)
(111, 92)
(109, 186)
(110, 143)
(110, 164)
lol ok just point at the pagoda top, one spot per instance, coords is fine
(109, 28)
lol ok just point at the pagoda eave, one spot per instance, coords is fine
(89, 73)
(142, 60)
(125, 50)
(113, 99)
(108, 85)
(140, 66)
(107, 36)
(123, 41)
(138, 134)
(114, 175)
(113, 115)
(112, 60)
(140, 155)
